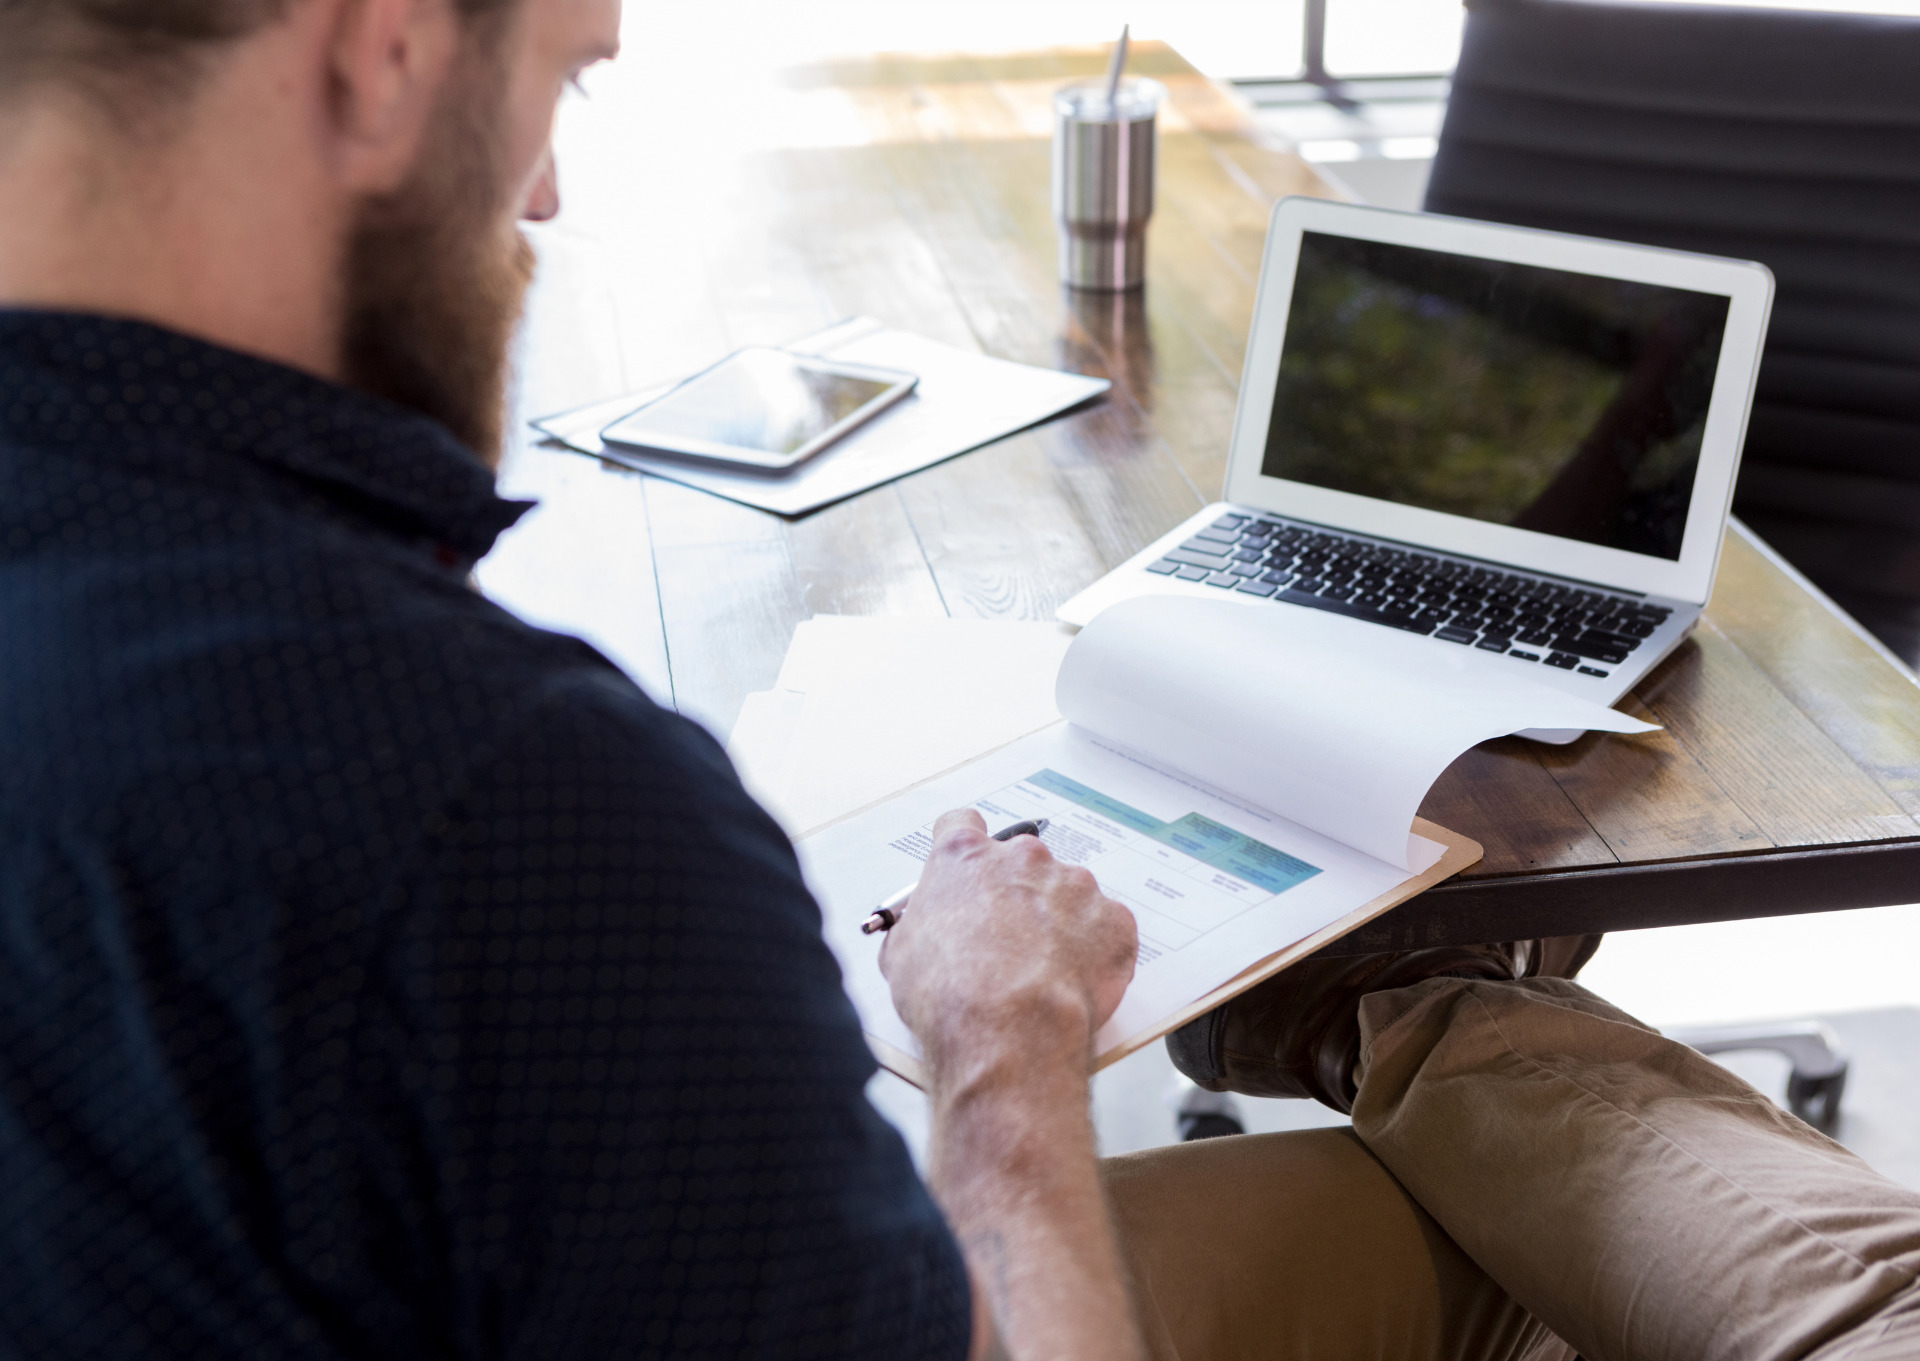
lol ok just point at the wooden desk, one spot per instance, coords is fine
(1788, 775)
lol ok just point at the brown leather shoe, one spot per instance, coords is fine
(1298, 1033)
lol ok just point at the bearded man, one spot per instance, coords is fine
(383, 976)
(380, 976)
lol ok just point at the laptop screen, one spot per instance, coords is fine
(1563, 403)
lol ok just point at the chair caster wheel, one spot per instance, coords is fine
(1819, 1072)
(1200, 1114)
(1817, 1099)
(1208, 1127)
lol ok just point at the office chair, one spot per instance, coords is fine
(1783, 136)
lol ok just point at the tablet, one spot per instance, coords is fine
(762, 408)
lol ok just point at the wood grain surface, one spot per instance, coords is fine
(916, 190)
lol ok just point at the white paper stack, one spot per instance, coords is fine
(963, 401)
(865, 706)
(1246, 780)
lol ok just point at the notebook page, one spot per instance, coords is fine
(1214, 884)
(866, 706)
(1337, 725)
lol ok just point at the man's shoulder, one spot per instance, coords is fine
(588, 765)
(252, 676)
(471, 700)
(560, 714)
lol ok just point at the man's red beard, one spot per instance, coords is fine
(437, 271)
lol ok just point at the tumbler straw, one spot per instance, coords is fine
(1117, 64)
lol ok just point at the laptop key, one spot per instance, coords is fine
(1246, 569)
(1163, 567)
(1523, 656)
(1600, 643)
(1193, 574)
(1351, 610)
(1230, 522)
(1258, 588)
(1591, 671)
(1453, 635)
(1566, 661)
(1604, 647)
(1188, 558)
(1226, 579)
(1200, 543)
(1492, 644)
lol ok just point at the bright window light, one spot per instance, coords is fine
(1227, 39)
(1330, 150)
(1409, 148)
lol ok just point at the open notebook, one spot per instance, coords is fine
(1244, 780)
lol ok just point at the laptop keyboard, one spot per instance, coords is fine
(1531, 619)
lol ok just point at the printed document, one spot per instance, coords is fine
(1235, 776)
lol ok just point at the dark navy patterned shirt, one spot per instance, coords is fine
(381, 976)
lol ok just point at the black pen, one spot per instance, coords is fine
(885, 916)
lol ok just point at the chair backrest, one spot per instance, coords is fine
(1783, 136)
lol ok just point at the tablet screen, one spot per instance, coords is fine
(756, 399)
(1564, 403)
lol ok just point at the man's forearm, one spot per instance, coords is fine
(1013, 1164)
(1005, 967)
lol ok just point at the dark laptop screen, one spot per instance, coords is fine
(1565, 403)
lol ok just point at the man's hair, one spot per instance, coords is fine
(130, 52)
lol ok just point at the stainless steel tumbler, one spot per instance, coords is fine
(1103, 161)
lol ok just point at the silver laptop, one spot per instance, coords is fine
(1518, 444)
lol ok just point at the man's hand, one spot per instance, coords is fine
(1003, 950)
(1004, 964)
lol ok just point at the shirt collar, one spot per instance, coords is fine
(143, 380)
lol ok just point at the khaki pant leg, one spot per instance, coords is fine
(1300, 1245)
(1640, 1200)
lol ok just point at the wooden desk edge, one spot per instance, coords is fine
(1799, 578)
(1634, 897)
